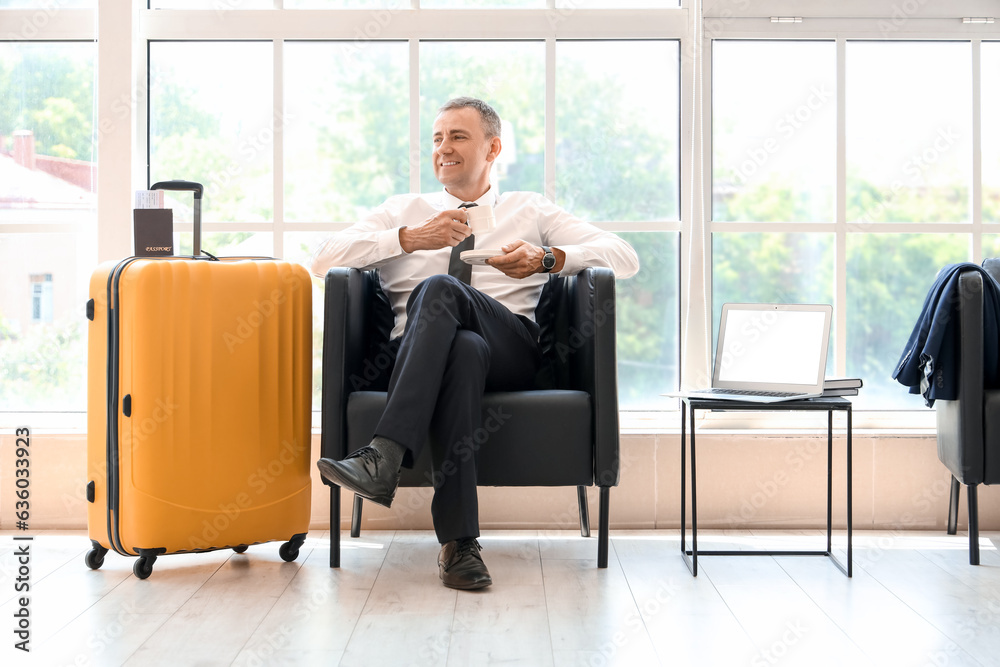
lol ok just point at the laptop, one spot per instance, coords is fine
(769, 352)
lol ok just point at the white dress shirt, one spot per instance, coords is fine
(373, 242)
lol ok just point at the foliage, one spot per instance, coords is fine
(29, 76)
(44, 367)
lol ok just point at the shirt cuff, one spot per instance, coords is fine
(573, 263)
(388, 243)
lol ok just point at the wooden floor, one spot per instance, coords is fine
(914, 600)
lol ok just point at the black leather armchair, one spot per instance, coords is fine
(565, 433)
(968, 428)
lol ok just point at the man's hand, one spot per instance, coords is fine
(446, 229)
(522, 259)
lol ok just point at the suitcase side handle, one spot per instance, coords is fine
(198, 190)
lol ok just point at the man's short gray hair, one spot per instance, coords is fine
(487, 114)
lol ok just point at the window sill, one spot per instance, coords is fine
(886, 424)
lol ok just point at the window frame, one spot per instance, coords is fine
(848, 22)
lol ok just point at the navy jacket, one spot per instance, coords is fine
(929, 365)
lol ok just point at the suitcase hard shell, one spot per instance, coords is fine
(199, 406)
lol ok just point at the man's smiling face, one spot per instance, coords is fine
(462, 155)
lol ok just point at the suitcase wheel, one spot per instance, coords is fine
(288, 552)
(143, 567)
(95, 558)
(240, 549)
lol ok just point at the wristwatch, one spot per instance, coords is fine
(548, 259)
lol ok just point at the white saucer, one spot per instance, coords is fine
(479, 256)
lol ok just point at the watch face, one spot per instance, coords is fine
(548, 260)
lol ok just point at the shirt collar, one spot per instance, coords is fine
(489, 197)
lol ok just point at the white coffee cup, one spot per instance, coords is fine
(481, 219)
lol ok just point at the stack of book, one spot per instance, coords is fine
(841, 386)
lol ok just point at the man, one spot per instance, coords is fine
(456, 340)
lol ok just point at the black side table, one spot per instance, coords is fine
(828, 405)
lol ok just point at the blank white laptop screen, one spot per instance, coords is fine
(764, 347)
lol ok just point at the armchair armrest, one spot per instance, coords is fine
(595, 367)
(346, 310)
(960, 422)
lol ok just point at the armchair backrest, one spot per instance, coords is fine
(960, 423)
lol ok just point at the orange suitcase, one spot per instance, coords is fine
(199, 407)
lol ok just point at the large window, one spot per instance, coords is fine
(340, 114)
(906, 134)
(843, 159)
(48, 241)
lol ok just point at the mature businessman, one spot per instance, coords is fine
(458, 332)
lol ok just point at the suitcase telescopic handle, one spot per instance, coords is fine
(198, 190)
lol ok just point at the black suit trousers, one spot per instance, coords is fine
(458, 343)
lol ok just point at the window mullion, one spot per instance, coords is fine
(414, 158)
(977, 152)
(114, 126)
(278, 169)
(549, 176)
(840, 237)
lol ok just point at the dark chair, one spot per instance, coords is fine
(968, 428)
(565, 433)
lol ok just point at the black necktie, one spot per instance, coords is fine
(456, 267)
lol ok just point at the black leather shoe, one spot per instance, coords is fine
(365, 473)
(460, 565)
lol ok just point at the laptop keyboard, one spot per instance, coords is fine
(750, 392)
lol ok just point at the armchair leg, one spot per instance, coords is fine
(334, 526)
(581, 498)
(356, 516)
(973, 525)
(953, 506)
(602, 528)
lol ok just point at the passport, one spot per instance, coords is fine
(154, 232)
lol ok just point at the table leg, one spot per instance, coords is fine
(829, 481)
(850, 508)
(683, 477)
(694, 505)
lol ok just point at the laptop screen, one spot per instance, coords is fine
(764, 345)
